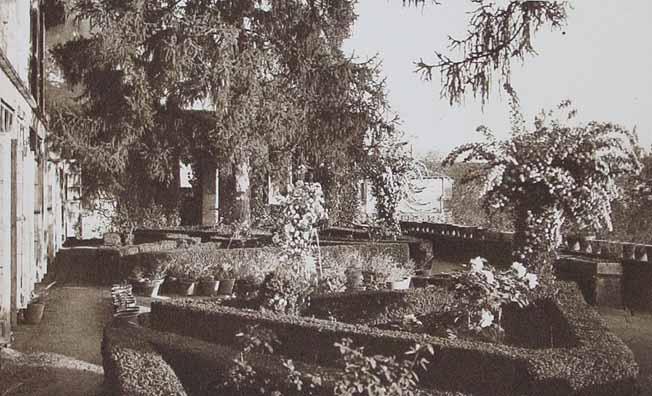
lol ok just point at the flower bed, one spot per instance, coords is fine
(595, 362)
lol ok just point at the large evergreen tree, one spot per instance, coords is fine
(272, 73)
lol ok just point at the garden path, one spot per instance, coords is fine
(61, 355)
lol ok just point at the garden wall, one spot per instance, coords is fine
(597, 363)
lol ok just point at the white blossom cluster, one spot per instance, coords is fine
(481, 293)
(302, 209)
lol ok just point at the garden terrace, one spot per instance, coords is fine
(626, 281)
(591, 360)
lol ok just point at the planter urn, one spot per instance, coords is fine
(186, 287)
(209, 287)
(34, 313)
(226, 286)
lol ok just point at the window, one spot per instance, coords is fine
(6, 118)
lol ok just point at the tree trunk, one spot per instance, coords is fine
(536, 240)
(242, 204)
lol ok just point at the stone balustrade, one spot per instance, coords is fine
(612, 250)
(608, 272)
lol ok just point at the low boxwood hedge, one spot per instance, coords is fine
(596, 363)
(201, 365)
(377, 306)
(132, 367)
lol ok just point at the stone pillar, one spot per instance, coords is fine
(608, 284)
(242, 204)
(5, 241)
(209, 195)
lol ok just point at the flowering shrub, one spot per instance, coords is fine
(480, 293)
(549, 174)
(302, 210)
(286, 289)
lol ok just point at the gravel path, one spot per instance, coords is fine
(636, 331)
(61, 355)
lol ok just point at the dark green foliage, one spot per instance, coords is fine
(132, 367)
(273, 79)
(376, 307)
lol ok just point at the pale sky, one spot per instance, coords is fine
(603, 64)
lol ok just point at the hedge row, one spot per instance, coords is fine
(201, 365)
(132, 367)
(377, 306)
(598, 363)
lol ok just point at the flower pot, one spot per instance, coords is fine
(186, 287)
(34, 313)
(208, 287)
(150, 288)
(226, 286)
(400, 285)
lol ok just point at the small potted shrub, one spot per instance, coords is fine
(148, 283)
(187, 276)
(401, 275)
(377, 271)
(208, 285)
(225, 274)
(36, 308)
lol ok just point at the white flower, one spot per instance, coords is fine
(477, 264)
(532, 280)
(520, 269)
(487, 318)
(489, 276)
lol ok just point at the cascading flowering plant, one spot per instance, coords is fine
(302, 210)
(480, 293)
(551, 173)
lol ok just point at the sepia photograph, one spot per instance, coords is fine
(325, 198)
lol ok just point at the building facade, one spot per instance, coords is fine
(33, 218)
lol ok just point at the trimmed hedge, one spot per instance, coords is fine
(596, 363)
(377, 306)
(132, 367)
(200, 364)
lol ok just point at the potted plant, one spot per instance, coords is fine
(36, 308)
(208, 285)
(186, 275)
(148, 283)
(401, 275)
(225, 273)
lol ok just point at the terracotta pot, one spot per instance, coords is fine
(186, 287)
(226, 286)
(34, 313)
(400, 285)
(150, 288)
(208, 287)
